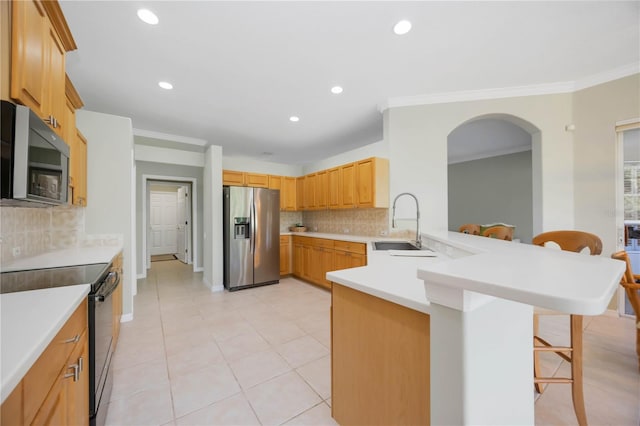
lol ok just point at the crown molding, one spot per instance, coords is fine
(512, 92)
(169, 137)
(606, 76)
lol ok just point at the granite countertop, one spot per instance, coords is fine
(29, 322)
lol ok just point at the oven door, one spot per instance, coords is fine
(100, 345)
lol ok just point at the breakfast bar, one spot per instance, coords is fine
(475, 298)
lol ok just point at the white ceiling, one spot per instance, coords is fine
(240, 69)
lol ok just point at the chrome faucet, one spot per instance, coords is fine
(393, 218)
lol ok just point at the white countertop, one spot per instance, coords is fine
(64, 257)
(29, 322)
(544, 277)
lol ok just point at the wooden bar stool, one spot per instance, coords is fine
(631, 285)
(499, 232)
(470, 228)
(575, 241)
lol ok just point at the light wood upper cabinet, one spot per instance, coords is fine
(348, 186)
(232, 178)
(256, 180)
(322, 190)
(288, 193)
(40, 39)
(300, 193)
(235, 178)
(333, 188)
(372, 183)
(310, 192)
(77, 147)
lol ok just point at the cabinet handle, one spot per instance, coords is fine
(80, 364)
(75, 374)
(51, 120)
(74, 339)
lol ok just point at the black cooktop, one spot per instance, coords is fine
(36, 279)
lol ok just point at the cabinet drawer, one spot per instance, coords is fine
(302, 240)
(42, 375)
(321, 242)
(285, 239)
(351, 247)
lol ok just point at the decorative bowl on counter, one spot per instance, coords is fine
(297, 228)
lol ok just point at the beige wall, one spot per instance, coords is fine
(417, 137)
(597, 109)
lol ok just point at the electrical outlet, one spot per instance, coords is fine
(345, 230)
(16, 251)
(383, 233)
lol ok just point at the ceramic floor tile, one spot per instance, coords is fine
(176, 312)
(231, 411)
(320, 415)
(259, 367)
(149, 407)
(203, 387)
(242, 345)
(130, 380)
(194, 358)
(281, 398)
(302, 350)
(318, 375)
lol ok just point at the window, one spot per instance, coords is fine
(632, 190)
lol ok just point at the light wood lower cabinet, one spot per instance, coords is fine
(379, 361)
(314, 257)
(55, 390)
(285, 255)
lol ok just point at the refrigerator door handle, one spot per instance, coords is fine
(253, 227)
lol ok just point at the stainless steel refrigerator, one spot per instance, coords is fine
(251, 236)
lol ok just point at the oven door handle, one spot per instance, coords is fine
(106, 290)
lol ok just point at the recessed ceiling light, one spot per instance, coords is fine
(294, 118)
(336, 90)
(147, 16)
(402, 27)
(165, 85)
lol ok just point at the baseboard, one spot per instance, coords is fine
(217, 288)
(141, 276)
(126, 317)
(198, 269)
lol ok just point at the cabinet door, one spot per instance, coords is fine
(28, 44)
(80, 180)
(55, 80)
(333, 188)
(300, 194)
(285, 252)
(341, 260)
(322, 183)
(308, 263)
(232, 178)
(347, 185)
(289, 190)
(364, 183)
(77, 392)
(298, 259)
(327, 265)
(275, 182)
(310, 191)
(256, 180)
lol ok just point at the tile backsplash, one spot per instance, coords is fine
(26, 231)
(367, 222)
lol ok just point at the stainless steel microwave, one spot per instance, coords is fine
(35, 160)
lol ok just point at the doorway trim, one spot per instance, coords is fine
(621, 127)
(194, 218)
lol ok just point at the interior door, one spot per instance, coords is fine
(163, 222)
(182, 220)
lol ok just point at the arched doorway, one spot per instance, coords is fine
(493, 174)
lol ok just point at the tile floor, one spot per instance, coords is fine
(261, 356)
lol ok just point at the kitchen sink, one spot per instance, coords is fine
(394, 245)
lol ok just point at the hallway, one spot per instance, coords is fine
(261, 356)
